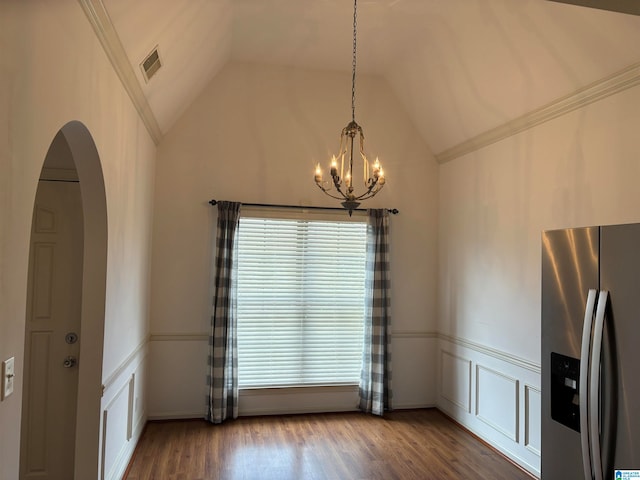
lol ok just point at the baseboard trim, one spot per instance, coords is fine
(138, 432)
(161, 416)
(487, 444)
(168, 416)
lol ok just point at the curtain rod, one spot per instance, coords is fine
(393, 211)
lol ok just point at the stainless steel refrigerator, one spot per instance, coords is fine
(591, 353)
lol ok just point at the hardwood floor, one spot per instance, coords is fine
(405, 444)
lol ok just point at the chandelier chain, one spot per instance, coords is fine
(341, 186)
(353, 63)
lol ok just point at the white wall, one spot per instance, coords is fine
(52, 71)
(579, 169)
(255, 135)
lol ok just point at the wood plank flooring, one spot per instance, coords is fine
(405, 444)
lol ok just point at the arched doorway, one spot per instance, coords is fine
(65, 312)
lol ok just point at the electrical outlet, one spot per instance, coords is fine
(7, 377)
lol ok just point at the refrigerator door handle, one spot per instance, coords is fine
(594, 385)
(583, 388)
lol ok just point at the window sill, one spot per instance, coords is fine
(289, 389)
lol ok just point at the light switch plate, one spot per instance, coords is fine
(7, 377)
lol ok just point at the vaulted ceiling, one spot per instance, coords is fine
(463, 69)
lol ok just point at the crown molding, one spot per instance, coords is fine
(623, 6)
(615, 83)
(108, 36)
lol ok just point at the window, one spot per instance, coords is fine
(301, 288)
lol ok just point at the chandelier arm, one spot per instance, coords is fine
(367, 194)
(344, 195)
(327, 192)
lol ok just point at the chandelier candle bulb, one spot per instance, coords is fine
(366, 171)
(318, 176)
(334, 166)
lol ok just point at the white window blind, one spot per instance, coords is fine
(301, 286)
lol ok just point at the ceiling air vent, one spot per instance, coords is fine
(151, 64)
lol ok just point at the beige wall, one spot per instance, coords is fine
(52, 71)
(579, 169)
(576, 170)
(255, 135)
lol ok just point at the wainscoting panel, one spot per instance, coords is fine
(455, 380)
(114, 428)
(532, 417)
(123, 414)
(504, 390)
(497, 401)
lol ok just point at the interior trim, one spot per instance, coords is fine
(508, 380)
(504, 356)
(116, 464)
(413, 334)
(500, 355)
(603, 88)
(111, 379)
(179, 337)
(293, 389)
(623, 6)
(108, 36)
(528, 391)
(203, 337)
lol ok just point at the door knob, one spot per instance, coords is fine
(69, 362)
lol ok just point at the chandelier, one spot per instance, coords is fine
(351, 142)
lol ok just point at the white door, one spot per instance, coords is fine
(52, 336)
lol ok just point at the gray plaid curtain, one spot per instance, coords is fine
(222, 378)
(375, 380)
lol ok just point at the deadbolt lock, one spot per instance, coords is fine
(71, 338)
